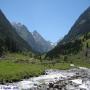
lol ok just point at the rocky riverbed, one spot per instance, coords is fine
(73, 79)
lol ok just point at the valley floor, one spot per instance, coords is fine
(19, 69)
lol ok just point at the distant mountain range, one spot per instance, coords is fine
(73, 41)
(34, 39)
(16, 37)
(41, 43)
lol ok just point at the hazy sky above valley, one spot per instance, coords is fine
(51, 18)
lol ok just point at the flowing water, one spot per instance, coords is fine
(73, 79)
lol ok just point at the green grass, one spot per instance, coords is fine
(13, 69)
(61, 66)
(79, 60)
(16, 66)
(10, 71)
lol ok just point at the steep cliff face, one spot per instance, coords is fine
(35, 40)
(24, 33)
(43, 44)
(9, 39)
(81, 26)
(72, 43)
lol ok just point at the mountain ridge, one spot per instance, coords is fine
(11, 40)
(77, 39)
(34, 39)
(80, 27)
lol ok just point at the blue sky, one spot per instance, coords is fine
(51, 18)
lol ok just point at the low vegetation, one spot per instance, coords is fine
(16, 66)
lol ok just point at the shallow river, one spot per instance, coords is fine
(73, 79)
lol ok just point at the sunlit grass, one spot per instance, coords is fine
(13, 69)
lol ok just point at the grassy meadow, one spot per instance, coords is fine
(15, 66)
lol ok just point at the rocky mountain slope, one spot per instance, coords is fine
(24, 33)
(35, 40)
(77, 41)
(42, 44)
(81, 26)
(9, 39)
